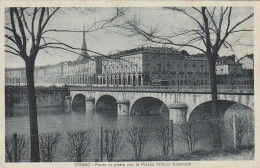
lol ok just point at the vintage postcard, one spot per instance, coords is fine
(129, 84)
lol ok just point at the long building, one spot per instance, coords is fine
(143, 66)
(82, 71)
(139, 66)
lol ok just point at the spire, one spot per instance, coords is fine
(84, 40)
(84, 55)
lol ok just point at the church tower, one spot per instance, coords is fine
(84, 54)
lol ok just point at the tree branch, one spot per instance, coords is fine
(18, 41)
(26, 25)
(10, 38)
(39, 32)
(48, 17)
(12, 48)
(68, 46)
(233, 28)
(65, 49)
(7, 51)
(33, 19)
(11, 30)
(208, 42)
(156, 39)
(190, 16)
(21, 28)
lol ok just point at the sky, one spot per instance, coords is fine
(114, 40)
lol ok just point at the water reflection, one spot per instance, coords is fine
(53, 119)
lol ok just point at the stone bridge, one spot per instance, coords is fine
(183, 103)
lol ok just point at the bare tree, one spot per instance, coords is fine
(163, 137)
(25, 26)
(242, 128)
(188, 133)
(213, 31)
(78, 145)
(250, 131)
(48, 146)
(138, 139)
(22, 143)
(112, 143)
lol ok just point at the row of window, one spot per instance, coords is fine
(175, 62)
(122, 70)
(191, 82)
(122, 62)
(12, 73)
(181, 69)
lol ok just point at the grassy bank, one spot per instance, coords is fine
(242, 153)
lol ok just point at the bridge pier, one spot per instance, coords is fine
(90, 103)
(123, 107)
(178, 113)
(67, 104)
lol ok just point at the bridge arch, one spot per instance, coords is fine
(106, 103)
(226, 110)
(148, 106)
(78, 101)
(244, 119)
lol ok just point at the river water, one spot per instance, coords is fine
(55, 119)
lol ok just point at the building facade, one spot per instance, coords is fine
(138, 67)
(142, 66)
(232, 72)
(15, 76)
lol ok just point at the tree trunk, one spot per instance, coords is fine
(35, 156)
(215, 110)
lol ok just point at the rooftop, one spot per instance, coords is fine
(147, 49)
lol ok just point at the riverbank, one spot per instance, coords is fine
(244, 153)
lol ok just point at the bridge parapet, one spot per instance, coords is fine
(239, 89)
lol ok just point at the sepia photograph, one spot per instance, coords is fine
(129, 84)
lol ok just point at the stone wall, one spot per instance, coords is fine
(46, 96)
